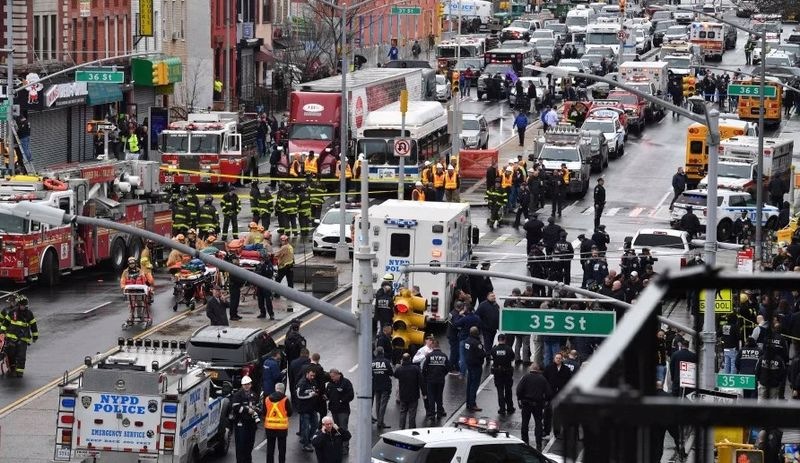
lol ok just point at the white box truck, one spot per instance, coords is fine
(655, 72)
(738, 158)
(422, 233)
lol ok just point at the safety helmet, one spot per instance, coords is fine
(209, 199)
(131, 261)
(184, 190)
(21, 300)
(743, 298)
(246, 380)
(388, 277)
(286, 186)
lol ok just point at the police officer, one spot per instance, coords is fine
(564, 252)
(267, 207)
(19, 326)
(255, 202)
(502, 356)
(230, 213)
(381, 385)
(244, 408)
(384, 300)
(599, 200)
(690, 223)
(304, 211)
(181, 217)
(207, 218)
(434, 371)
(474, 353)
(277, 410)
(533, 392)
(601, 239)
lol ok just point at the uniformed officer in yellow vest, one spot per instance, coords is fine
(451, 184)
(438, 181)
(296, 167)
(277, 410)
(217, 89)
(310, 164)
(418, 193)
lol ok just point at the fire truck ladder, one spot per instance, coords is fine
(23, 166)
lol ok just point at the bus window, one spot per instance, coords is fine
(696, 147)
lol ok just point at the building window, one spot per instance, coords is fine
(94, 38)
(182, 36)
(53, 36)
(266, 11)
(84, 44)
(125, 34)
(74, 34)
(107, 34)
(37, 38)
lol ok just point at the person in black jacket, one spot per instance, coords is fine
(295, 342)
(381, 385)
(690, 223)
(305, 403)
(264, 296)
(489, 313)
(410, 386)
(746, 362)
(339, 392)
(384, 340)
(564, 252)
(244, 408)
(329, 441)
(533, 231)
(384, 310)
(533, 393)
(502, 356)
(601, 239)
(217, 308)
(678, 185)
(434, 371)
(599, 201)
(557, 375)
(550, 235)
(481, 285)
(683, 354)
(536, 186)
(777, 189)
(474, 355)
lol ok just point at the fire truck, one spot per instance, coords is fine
(208, 148)
(121, 191)
(144, 401)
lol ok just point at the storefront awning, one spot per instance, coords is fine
(103, 93)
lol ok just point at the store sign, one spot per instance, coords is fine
(66, 94)
(145, 18)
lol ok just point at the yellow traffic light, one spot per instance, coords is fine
(454, 81)
(440, 9)
(408, 323)
(622, 6)
(688, 85)
(160, 74)
(503, 6)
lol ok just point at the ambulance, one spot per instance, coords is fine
(421, 233)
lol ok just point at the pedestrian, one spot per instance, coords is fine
(235, 285)
(453, 338)
(230, 213)
(271, 373)
(550, 118)
(294, 343)
(277, 410)
(285, 258)
(217, 308)
(564, 253)
(394, 52)
(465, 323)
(297, 368)
(384, 304)
(748, 50)
(381, 385)
(452, 182)
(601, 239)
(416, 49)
(520, 124)
(776, 191)
(410, 386)
(339, 392)
(599, 200)
(536, 185)
(729, 334)
(462, 84)
(434, 371)
(489, 313)
(533, 392)
(305, 403)
(244, 408)
(438, 181)
(481, 285)
(557, 375)
(678, 185)
(321, 377)
(475, 354)
(265, 269)
(683, 354)
(690, 223)
(502, 356)
(384, 340)
(329, 441)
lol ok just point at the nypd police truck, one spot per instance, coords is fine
(145, 401)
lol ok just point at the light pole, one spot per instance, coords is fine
(456, 127)
(10, 87)
(711, 120)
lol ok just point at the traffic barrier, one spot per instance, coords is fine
(473, 163)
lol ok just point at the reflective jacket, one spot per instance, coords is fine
(19, 325)
(231, 204)
(451, 181)
(277, 410)
(310, 166)
(255, 201)
(207, 217)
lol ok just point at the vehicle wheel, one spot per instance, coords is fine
(620, 151)
(135, 247)
(315, 252)
(51, 274)
(772, 223)
(724, 230)
(117, 256)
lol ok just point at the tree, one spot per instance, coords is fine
(196, 79)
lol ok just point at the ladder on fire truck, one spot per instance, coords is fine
(24, 166)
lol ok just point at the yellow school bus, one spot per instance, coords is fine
(697, 148)
(748, 106)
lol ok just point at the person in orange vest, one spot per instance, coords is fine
(507, 182)
(427, 173)
(438, 182)
(418, 193)
(310, 164)
(451, 185)
(357, 166)
(296, 169)
(277, 410)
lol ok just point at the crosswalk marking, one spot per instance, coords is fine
(613, 211)
(636, 212)
(501, 239)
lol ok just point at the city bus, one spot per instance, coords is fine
(748, 106)
(697, 149)
(425, 126)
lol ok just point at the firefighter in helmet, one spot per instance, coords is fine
(207, 217)
(19, 326)
(133, 275)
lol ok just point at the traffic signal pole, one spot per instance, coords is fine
(10, 87)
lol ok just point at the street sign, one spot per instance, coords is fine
(4, 110)
(744, 260)
(101, 76)
(736, 381)
(621, 35)
(687, 372)
(557, 322)
(402, 147)
(407, 10)
(751, 90)
(707, 395)
(723, 301)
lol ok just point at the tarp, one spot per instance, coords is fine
(473, 163)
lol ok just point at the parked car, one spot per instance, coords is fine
(643, 41)
(607, 123)
(474, 131)
(676, 33)
(539, 82)
(598, 143)
(443, 88)
(326, 235)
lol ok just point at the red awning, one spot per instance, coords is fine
(264, 55)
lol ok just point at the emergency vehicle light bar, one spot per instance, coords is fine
(482, 424)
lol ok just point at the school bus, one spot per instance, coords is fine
(697, 148)
(748, 106)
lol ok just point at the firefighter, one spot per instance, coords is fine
(181, 217)
(230, 213)
(418, 193)
(19, 326)
(207, 218)
(191, 238)
(286, 206)
(304, 211)
(255, 202)
(194, 202)
(267, 207)
(296, 167)
(451, 184)
(132, 275)
(317, 193)
(357, 166)
(310, 164)
(438, 181)
(496, 198)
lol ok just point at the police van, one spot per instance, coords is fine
(421, 233)
(730, 205)
(145, 401)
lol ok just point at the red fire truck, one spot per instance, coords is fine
(121, 191)
(213, 147)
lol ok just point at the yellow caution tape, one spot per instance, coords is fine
(243, 177)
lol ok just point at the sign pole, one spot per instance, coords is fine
(10, 90)
(401, 171)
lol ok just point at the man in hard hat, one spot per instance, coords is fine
(438, 181)
(506, 183)
(427, 173)
(418, 193)
(451, 185)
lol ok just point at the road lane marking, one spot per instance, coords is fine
(500, 239)
(636, 212)
(104, 304)
(663, 199)
(612, 212)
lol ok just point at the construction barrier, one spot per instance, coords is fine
(473, 163)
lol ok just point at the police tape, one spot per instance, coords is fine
(169, 170)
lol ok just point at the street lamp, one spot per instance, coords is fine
(760, 164)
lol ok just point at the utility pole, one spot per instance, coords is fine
(228, 55)
(401, 164)
(456, 128)
(342, 251)
(760, 164)
(10, 87)
(364, 329)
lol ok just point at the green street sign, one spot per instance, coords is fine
(407, 10)
(557, 322)
(751, 90)
(736, 381)
(100, 76)
(4, 110)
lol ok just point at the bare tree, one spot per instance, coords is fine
(187, 97)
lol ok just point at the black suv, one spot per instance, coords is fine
(232, 353)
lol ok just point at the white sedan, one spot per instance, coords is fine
(326, 235)
(443, 90)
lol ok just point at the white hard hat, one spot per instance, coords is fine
(439, 166)
(246, 380)
(512, 161)
(509, 169)
(427, 163)
(418, 184)
(450, 167)
(361, 157)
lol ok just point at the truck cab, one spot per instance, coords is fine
(313, 126)
(565, 145)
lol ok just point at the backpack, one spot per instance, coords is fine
(294, 342)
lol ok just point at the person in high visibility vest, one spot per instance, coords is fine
(207, 218)
(217, 89)
(310, 164)
(296, 168)
(304, 211)
(267, 207)
(20, 328)
(277, 410)
(418, 193)
(357, 166)
(451, 184)
(348, 171)
(438, 182)
(133, 147)
(427, 173)
(507, 182)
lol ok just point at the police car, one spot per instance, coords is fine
(672, 249)
(730, 205)
(607, 122)
(471, 439)
(326, 235)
